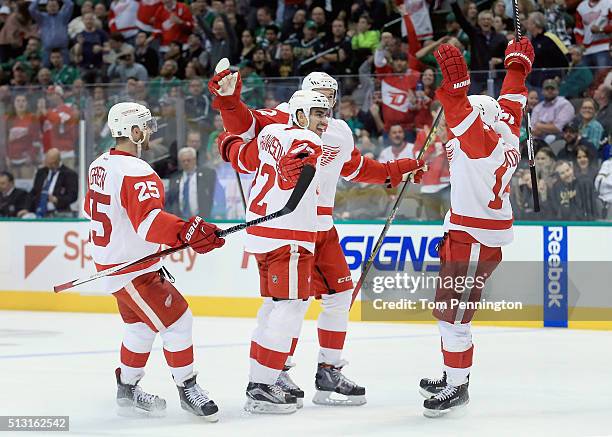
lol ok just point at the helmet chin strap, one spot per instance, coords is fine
(138, 143)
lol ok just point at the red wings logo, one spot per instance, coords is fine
(329, 154)
(398, 98)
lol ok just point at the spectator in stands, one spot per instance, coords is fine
(271, 43)
(470, 12)
(305, 47)
(13, 201)
(261, 65)
(338, 61)
(499, 10)
(53, 26)
(16, 28)
(22, 130)
(90, 46)
(264, 19)
(122, 18)
(192, 189)
(293, 30)
(175, 53)
(545, 160)
(222, 41)
(453, 29)
(554, 14)
(20, 76)
(162, 85)
(26, 58)
(146, 55)
(61, 74)
(375, 9)
(125, 67)
(212, 138)
(349, 113)
(287, 64)
(550, 115)
(101, 14)
(571, 198)
(578, 78)
(533, 98)
(573, 139)
(197, 104)
(486, 46)
(590, 128)
(604, 116)
(398, 146)
(550, 52)
(587, 164)
(116, 44)
(55, 187)
(253, 86)
(248, 45)
(43, 79)
(59, 124)
(237, 21)
(318, 16)
(77, 25)
(592, 31)
(194, 141)
(365, 38)
(424, 95)
(195, 50)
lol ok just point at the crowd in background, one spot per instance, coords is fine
(65, 62)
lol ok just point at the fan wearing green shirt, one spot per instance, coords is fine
(61, 74)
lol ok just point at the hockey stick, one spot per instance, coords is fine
(530, 152)
(298, 192)
(396, 205)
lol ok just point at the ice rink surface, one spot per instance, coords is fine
(525, 382)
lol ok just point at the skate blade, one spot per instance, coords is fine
(458, 411)
(263, 407)
(128, 409)
(335, 399)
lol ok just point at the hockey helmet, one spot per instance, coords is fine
(123, 116)
(306, 100)
(318, 80)
(489, 108)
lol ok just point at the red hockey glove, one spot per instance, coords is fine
(454, 69)
(520, 52)
(290, 166)
(398, 168)
(200, 235)
(225, 88)
(225, 141)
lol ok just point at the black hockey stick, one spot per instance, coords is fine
(396, 206)
(302, 185)
(518, 33)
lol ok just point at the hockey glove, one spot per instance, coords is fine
(520, 52)
(225, 86)
(290, 166)
(225, 141)
(455, 76)
(398, 168)
(200, 235)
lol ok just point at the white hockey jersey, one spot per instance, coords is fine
(124, 202)
(267, 196)
(481, 164)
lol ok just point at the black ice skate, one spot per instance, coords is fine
(429, 387)
(448, 399)
(269, 399)
(195, 400)
(285, 382)
(132, 399)
(329, 380)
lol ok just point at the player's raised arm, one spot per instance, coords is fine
(513, 96)
(243, 155)
(464, 117)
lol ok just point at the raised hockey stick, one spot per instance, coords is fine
(298, 192)
(396, 205)
(530, 152)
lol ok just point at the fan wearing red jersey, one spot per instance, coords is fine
(331, 276)
(483, 153)
(125, 201)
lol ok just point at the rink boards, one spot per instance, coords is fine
(557, 270)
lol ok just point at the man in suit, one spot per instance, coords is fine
(13, 201)
(55, 187)
(191, 190)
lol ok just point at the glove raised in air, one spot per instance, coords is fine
(455, 75)
(520, 52)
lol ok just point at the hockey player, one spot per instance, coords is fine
(125, 201)
(483, 153)
(285, 251)
(331, 276)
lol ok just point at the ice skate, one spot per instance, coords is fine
(195, 400)
(329, 380)
(429, 387)
(450, 398)
(269, 399)
(133, 400)
(285, 382)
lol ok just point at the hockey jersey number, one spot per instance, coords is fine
(147, 189)
(100, 217)
(258, 206)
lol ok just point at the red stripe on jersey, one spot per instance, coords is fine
(325, 210)
(458, 360)
(331, 339)
(253, 350)
(481, 223)
(179, 358)
(270, 358)
(114, 151)
(133, 359)
(282, 234)
(293, 346)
